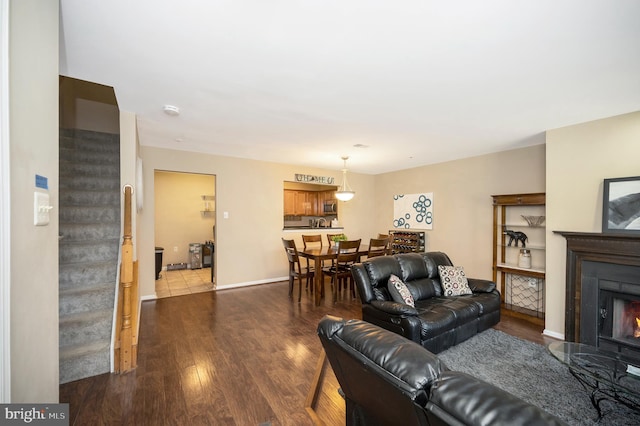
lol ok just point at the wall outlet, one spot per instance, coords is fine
(175, 249)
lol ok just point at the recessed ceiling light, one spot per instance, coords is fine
(171, 110)
(359, 145)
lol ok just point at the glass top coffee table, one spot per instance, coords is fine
(605, 374)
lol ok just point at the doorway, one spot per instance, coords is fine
(185, 218)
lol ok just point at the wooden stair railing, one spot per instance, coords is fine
(126, 342)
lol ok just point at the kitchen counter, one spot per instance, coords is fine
(309, 228)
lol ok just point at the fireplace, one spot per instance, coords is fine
(603, 291)
(620, 323)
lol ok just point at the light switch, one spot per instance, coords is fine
(41, 208)
(225, 215)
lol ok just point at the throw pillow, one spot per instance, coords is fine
(453, 280)
(399, 291)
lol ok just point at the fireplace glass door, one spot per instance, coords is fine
(620, 318)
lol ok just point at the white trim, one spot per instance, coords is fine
(252, 283)
(114, 319)
(149, 297)
(5, 211)
(553, 334)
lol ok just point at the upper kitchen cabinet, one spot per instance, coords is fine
(303, 199)
(300, 203)
(289, 202)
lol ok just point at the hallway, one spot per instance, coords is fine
(183, 281)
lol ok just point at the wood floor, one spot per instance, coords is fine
(233, 357)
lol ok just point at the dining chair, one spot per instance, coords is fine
(311, 241)
(295, 270)
(340, 271)
(379, 247)
(380, 236)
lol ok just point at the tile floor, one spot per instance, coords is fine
(183, 281)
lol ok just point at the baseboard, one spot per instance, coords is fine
(252, 283)
(148, 297)
(553, 334)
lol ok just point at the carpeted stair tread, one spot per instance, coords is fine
(102, 170)
(89, 231)
(76, 300)
(73, 275)
(82, 327)
(88, 251)
(67, 352)
(93, 214)
(79, 197)
(91, 141)
(90, 182)
(80, 361)
(87, 157)
(86, 317)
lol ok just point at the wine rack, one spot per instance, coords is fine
(407, 241)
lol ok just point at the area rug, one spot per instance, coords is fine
(530, 372)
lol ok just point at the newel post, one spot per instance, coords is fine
(126, 278)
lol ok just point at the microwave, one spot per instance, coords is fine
(330, 207)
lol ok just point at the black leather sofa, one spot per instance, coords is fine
(389, 380)
(436, 322)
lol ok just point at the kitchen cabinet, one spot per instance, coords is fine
(300, 203)
(311, 203)
(290, 198)
(518, 271)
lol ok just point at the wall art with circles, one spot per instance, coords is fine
(413, 211)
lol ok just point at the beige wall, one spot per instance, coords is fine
(128, 154)
(462, 204)
(179, 220)
(33, 109)
(578, 159)
(251, 192)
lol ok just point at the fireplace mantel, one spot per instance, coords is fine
(621, 249)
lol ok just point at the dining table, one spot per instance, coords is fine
(318, 255)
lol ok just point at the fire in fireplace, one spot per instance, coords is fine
(620, 318)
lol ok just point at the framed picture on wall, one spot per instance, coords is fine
(621, 205)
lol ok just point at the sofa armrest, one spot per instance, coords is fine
(394, 308)
(458, 398)
(481, 286)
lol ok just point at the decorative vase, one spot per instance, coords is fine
(524, 259)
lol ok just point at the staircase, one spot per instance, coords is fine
(90, 227)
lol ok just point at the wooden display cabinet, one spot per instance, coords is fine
(522, 288)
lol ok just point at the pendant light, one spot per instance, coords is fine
(344, 193)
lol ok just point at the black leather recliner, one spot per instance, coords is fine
(436, 322)
(389, 380)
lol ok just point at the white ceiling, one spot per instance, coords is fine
(304, 81)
